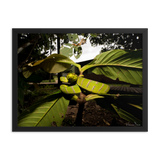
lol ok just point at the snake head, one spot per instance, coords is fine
(72, 77)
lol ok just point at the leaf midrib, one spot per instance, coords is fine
(113, 65)
(46, 112)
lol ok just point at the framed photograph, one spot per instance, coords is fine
(80, 79)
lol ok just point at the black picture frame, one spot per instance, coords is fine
(13, 114)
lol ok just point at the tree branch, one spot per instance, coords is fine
(28, 55)
(20, 49)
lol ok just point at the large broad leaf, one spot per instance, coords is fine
(125, 65)
(51, 64)
(126, 115)
(47, 112)
(127, 107)
(55, 63)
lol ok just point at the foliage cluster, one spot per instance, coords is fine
(119, 66)
(125, 65)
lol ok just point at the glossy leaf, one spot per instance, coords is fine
(92, 96)
(126, 115)
(122, 64)
(47, 112)
(137, 106)
(55, 63)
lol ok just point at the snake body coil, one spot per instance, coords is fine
(93, 86)
(87, 84)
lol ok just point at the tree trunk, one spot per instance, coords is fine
(78, 121)
(81, 101)
(50, 77)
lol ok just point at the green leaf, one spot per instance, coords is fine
(126, 115)
(125, 65)
(120, 105)
(139, 107)
(131, 104)
(28, 70)
(52, 63)
(69, 61)
(106, 103)
(55, 63)
(92, 96)
(47, 112)
(31, 67)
